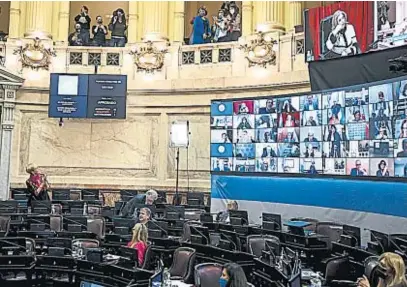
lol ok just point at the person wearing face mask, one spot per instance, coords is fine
(394, 274)
(233, 276)
(118, 27)
(235, 32)
(84, 20)
(201, 29)
(99, 32)
(77, 38)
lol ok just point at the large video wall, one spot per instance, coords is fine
(355, 131)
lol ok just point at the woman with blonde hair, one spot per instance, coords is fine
(395, 271)
(139, 241)
(37, 184)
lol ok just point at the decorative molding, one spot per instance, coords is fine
(35, 55)
(149, 58)
(259, 52)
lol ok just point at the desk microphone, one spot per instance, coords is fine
(376, 238)
(272, 221)
(353, 236)
(200, 233)
(159, 227)
(14, 244)
(76, 222)
(39, 221)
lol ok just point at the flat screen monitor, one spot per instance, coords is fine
(274, 219)
(90, 284)
(354, 233)
(240, 214)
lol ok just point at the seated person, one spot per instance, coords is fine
(37, 184)
(148, 199)
(233, 276)
(139, 241)
(395, 272)
(144, 216)
(223, 216)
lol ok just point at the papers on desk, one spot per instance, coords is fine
(177, 283)
(111, 257)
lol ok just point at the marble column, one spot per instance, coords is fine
(247, 18)
(179, 21)
(7, 125)
(269, 15)
(293, 14)
(63, 22)
(14, 22)
(134, 22)
(156, 23)
(39, 19)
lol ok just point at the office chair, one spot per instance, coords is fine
(55, 222)
(257, 243)
(183, 264)
(147, 258)
(4, 225)
(97, 226)
(330, 229)
(337, 272)
(207, 274)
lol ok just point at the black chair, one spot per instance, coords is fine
(147, 258)
(337, 272)
(183, 264)
(207, 274)
(257, 243)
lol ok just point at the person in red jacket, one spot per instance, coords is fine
(139, 241)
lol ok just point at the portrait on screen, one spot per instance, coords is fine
(266, 106)
(357, 114)
(266, 121)
(381, 93)
(333, 101)
(357, 131)
(288, 150)
(310, 102)
(357, 166)
(311, 149)
(311, 134)
(400, 149)
(289, 120)
(221, 164)
(245, 151)
(221, 122)
(266, 135)
(400, 167)
(288, 135)
(264, 150)
(243, 136)
(222, 136)
(243, 107)
(334, 116)
(288, 165)
(381, 121)
(335, 149)
(244, 165)
(356, 97)
(266, 164)
(357, 148)
(381, 148)
(243, 122)
(333, 133)
(382, 167)
(311, 166)
(311, 118)
(334, 166)
(288, 105)
(401, 90)
(400, 128)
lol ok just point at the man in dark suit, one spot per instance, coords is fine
(358, 170)
(403, 153)
(148, 199)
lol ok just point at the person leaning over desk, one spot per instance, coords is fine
(148, 199)
(139, 241)
(394, 272)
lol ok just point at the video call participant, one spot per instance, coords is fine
(383, 170)
(139, 241)
(395, 272)
(311, 103)
(148, 199)
(310, 138)
(311, 122)
(37, 185)
(244, 124)
(403, 129)
(358, 170)
(218, 166)
(233, 276)
(223, 216)
(268, 109)
(403, 153)
(288, 107)
(312, 169)
(225, 138)
(268, 152)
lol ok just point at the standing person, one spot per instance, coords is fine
(148, 199)
(37, 184)
(84, 20)
(235, 30)
(200, 27)
(139, 241)
(99, 32)
(118, 27)
(77, 38)
(232, 276)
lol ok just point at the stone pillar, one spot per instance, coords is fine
(63, 21)
(293, 14)
(14, 22)
(134, 22)
(179, 21)
(156, 23)
(247, 18)
(269, 15)
(7, 125)
(39, 19)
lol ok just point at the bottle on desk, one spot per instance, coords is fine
(85, 209)
(166, 279)
(315, 280)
